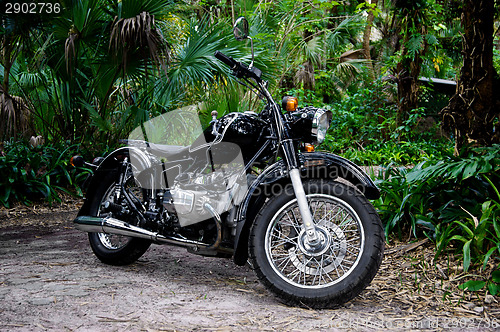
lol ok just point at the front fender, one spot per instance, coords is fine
(314, 165)
(330, 166)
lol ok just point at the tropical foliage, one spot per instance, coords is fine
(455, 202)
(31, 173)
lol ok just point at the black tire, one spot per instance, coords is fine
(114, 249)
(325, 276)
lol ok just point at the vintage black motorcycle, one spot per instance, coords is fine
(250, 187)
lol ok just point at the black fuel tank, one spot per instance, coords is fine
(246, 130)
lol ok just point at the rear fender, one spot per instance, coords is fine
(110, 168)
(314, 165)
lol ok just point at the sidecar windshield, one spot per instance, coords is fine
(195, 171)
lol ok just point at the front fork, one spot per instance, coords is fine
(298, 188)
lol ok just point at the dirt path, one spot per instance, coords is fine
(50, 280)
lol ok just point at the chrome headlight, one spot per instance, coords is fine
(321, 123)
(309, 124)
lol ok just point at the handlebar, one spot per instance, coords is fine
(239, 69)
(226, 59)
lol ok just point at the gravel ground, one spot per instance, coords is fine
(50, 280)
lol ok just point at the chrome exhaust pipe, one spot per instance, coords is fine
(115, 226)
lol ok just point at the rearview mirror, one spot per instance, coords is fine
(240, 29)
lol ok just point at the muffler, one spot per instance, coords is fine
(115, 226)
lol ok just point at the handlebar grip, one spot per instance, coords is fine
(226, 59)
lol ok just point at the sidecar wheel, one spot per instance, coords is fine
(331, 273)
(115, 249)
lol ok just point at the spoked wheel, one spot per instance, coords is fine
(323, 274)
(116, 249)
(340, 248)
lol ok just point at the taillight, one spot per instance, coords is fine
(77, 161)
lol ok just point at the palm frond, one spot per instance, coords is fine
(305, 75)
(313, 50)
(14, 116)
(136, 34)
(132, 8)
(340, 37)
(345, 73)
(80, 24)
(194, 67)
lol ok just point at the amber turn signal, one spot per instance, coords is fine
(309, 147)
(290, 103)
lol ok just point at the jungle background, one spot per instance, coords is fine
(78, 79)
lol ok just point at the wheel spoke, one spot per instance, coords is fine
(283, 241)
(324, 219)
(294, 223)
(284, 264)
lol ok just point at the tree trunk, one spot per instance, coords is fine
(306, 74)
(407, 74)
(366, 38)
(471, 112)
(408, 69)
(7, 109)
(7, 61)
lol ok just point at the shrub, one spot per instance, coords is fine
(30, 173)
(365, 130)
(454, 201)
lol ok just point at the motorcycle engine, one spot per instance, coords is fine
(218, 189)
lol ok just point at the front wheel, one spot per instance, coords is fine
(327, 274)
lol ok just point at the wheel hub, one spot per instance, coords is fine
(319, 248)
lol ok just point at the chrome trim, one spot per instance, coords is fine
(305, 213)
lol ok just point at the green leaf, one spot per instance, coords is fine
(5, 197)
(459, 238)
(455, 172)
(44, 189)
(472, 285)
(67, 176)
(493, 186)
(486, 206)
(466, 251)
(361, 6)
(495, 276)
(493, 288)
(97, 120)
(431, 39)
(465, 228)
(496, 226)
(470, 169)
(487, 256)
(486, 168)
(415, 44)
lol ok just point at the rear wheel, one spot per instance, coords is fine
(111, 248)
(324, 275)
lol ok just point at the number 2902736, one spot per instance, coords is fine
(32, 8)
